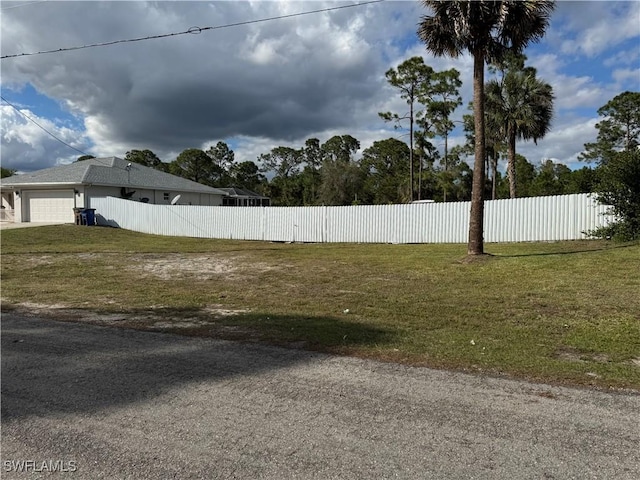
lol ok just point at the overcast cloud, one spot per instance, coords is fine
(267, 84)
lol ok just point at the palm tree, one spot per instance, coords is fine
(487, 30)
(522, 105)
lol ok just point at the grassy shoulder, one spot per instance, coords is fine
(565, 312)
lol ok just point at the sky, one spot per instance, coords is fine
(260, 85)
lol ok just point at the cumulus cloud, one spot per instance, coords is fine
(590, 28)
(563, 143)
(621, 75)
(626, 57)
(27, 147)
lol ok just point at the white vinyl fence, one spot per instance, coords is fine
(564, 217)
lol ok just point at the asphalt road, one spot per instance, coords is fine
(104, 403)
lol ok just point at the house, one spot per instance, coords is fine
(50, 195)
(241, 197)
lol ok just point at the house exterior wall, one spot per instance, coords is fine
(96, 191)
(156, 197)
(189, 198)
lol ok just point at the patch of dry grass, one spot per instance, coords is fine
(566, 312)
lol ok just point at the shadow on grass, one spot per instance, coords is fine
(568, 252)
(317, 332)
(51, 367)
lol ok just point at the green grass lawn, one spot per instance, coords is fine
(565, 312)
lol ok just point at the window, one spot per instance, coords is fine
(166, 197)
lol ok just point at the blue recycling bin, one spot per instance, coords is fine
(88, 216)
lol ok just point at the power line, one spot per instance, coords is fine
(192, 30)
(22, 5)
(40, 126)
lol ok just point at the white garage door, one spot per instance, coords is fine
(49, 206)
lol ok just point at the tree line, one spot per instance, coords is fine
(330, 173)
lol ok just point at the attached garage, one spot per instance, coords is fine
(48, 206)
(50, 195)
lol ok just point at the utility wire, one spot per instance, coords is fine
(40, 126)
(192, 30)
(22, 5)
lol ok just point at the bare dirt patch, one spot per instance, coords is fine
(574, 355)
(200, 267)
(57, 259)
(36, 261)
(156, 318)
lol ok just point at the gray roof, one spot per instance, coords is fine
(241, 192)
(111, 171)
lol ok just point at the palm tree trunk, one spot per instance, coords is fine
(476, 216)
(511, 167)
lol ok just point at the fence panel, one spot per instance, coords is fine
(564, 217)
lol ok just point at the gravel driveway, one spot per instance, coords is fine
(103, 403)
